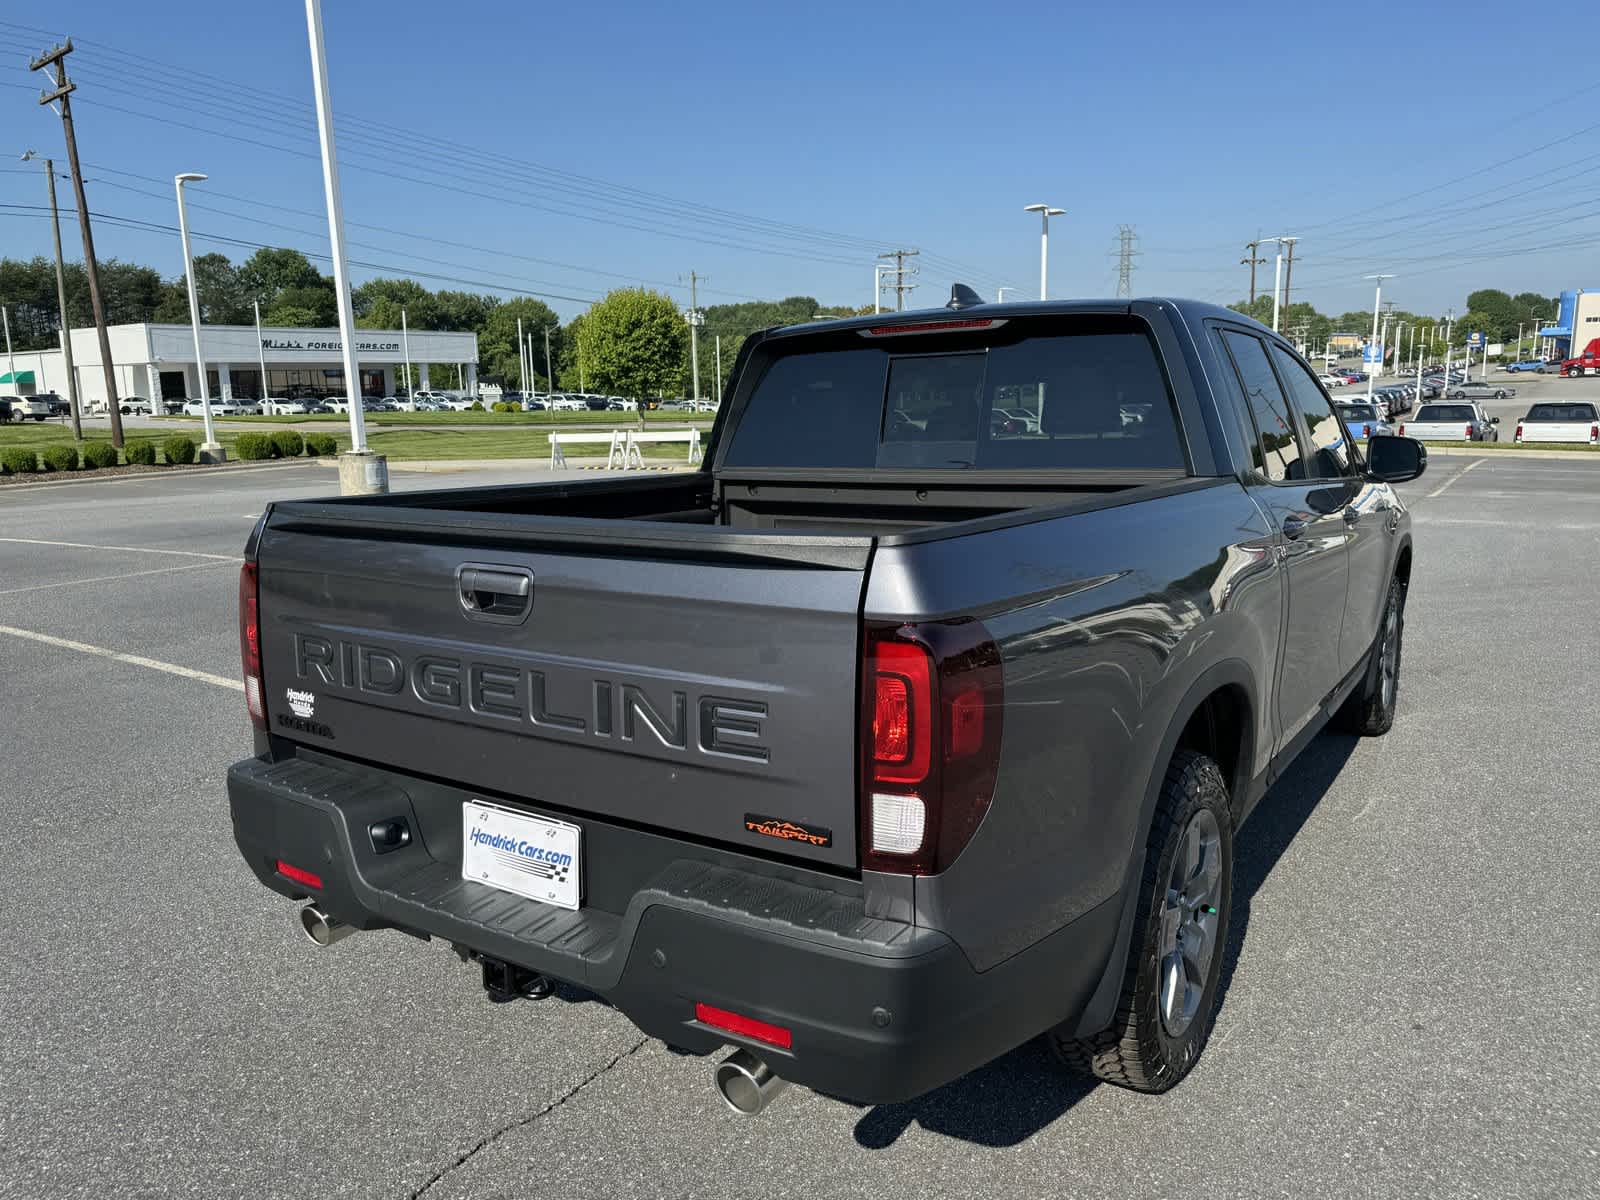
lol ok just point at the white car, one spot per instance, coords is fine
(1331, 381)
(219, 408)
(339, 404)
(1563, 422)
(279, 406)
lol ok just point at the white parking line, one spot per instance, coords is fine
(121, 549)
(44, 587)
(1443, 487)
(137, 660)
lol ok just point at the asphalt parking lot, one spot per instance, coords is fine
(1530, 389)
(1410, 997)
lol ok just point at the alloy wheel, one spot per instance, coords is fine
(1190, 923)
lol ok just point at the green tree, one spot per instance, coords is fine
(498, 361)
(267, 273)
(314, 306)
(1496, 312)
(634, 343)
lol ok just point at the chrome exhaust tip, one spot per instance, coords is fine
(747, 1084)
(321, 928)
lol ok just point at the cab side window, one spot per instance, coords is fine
(1329, 456)
(1277, 451)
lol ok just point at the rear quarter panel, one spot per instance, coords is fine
(1105, 621)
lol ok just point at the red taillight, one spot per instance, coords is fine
(1402, 431)
(299, 875)
(933, 704)
(250, 645)
(1518, 435)
(1366, 431)
(743, 1026)
(1468, 434)
(902, 712)
(1594, 433)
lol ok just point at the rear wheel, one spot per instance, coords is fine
(1169, 989)
(1369, 712)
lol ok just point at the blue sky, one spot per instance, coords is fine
(567, 149)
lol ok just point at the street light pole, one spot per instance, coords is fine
(405, 347)
(61, 301)
(211, 450)
(1045, 213)
(360, 471)
(1377, 302)
(549, 373)
(1000, 294)
(1449, 324)
(261, 355)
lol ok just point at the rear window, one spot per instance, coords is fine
(1445, 412)
(1091, 397)
(1358, 412)
(1561, 412)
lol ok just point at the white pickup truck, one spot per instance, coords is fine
(1565, 422)
(1455, 422)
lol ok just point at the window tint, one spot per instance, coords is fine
(1330, 448)
(1278, 452)
(1095, 400)
(1561, 412)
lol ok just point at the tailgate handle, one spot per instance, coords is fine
(495, 593)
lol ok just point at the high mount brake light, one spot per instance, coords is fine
(250, 644)
(956, 326)
(932, 709)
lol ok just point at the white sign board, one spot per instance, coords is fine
(1495, 348)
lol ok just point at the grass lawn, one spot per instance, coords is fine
(1491, 447)
(564, 420)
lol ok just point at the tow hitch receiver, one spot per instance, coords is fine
(505, 982)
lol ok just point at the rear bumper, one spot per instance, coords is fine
(880, 1010)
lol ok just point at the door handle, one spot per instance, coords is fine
(494, 593)
(1352, 516)
(1293, 527)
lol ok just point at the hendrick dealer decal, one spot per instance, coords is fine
(303, 704)
(304, 707)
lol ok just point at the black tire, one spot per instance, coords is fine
(1149, 1047)
(1369, 712)
(1538, 370)
(1499, 395)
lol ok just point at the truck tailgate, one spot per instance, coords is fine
(674, 682)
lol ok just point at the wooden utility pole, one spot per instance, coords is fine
(63, 91)
(1252, 262)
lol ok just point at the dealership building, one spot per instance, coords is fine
(158, 362)
(1577, 322)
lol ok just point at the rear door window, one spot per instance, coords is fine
(1277, 451)
(1093, 397)
(1330, 447)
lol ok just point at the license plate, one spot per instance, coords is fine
(530, 856)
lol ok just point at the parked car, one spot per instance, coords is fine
(197, 408)
(282, 406)
(1029, 421)
(1476, 389)
(1330, 380)
(25, 408)
(1564, 422)
(59, 405)
(1536, 365)
(994, 796)
(1363, 422)
(1451, 423)
(337, 404)
(6, 410)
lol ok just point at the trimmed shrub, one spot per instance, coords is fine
(289, 443)
(140, 454)
(506, 406)
(321, 443)
(60, 458)
(99, 454)
(252, 447)
(178, 450)
(17, 461)
(477, 406)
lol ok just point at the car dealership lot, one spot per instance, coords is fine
(1409, 1009)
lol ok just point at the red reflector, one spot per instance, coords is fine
(966, 722)
(930, 327)
(295, 873)
(761, 1031)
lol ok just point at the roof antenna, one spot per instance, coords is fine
(961, 296)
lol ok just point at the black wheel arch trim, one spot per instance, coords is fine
(1243, 791)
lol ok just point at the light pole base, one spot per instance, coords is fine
(212, 453)
(363, 473)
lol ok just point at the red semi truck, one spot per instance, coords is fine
(1582, 364)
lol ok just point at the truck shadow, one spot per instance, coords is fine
(1016, 1096)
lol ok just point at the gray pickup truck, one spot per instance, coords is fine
(915, 724)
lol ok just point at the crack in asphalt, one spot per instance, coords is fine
(523, 1122)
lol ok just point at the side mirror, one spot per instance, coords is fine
(1494, 420)
(1396, 459)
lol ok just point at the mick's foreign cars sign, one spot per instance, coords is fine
(334, 344)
